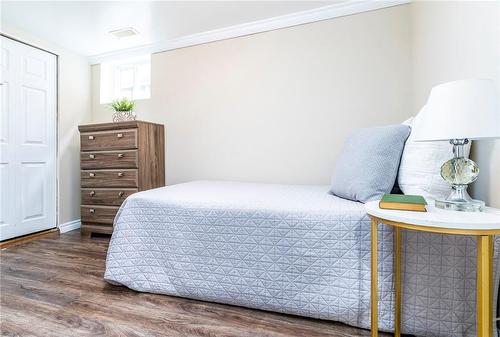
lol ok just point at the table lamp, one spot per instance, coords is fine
(458, 112)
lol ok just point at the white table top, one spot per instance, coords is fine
(440, 218)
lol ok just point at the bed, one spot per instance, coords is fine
(292, 249)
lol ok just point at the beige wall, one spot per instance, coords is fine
(277, 106)
(74, 109)
(457, 40)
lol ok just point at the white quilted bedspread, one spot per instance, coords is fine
(292, 249)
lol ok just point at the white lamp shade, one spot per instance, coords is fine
(461, 109)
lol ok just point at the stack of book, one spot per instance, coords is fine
(403, 202)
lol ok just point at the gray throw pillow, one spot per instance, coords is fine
(368, 163)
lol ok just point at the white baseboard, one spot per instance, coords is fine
(69, 226)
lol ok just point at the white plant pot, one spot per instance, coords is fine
(123, 116)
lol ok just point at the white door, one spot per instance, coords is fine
(27, 139)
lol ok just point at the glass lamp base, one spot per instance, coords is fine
(460, 172)
(461, 206)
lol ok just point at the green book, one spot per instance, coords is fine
(403, 202)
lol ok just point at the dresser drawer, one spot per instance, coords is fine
(106, 196)
(108, 159)
(109, 140)
(109, 178)
(98, 214)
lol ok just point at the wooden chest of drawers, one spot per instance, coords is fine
(116, 160)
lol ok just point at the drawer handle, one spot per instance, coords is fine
(91, 137)
(120, 194)
(92, 210)
(120, 174)
(91, 156)
(92, 193)
(91, 174)
(120, 155)
(120, 135)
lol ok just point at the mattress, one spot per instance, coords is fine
(291, 249)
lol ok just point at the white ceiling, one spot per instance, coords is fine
(83, 26)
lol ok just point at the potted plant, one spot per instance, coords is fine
(124, 110)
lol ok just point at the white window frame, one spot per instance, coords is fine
(110, 79)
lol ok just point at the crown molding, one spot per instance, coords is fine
(289, 20)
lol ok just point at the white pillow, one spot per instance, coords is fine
(420, 167)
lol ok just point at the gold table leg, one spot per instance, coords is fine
(485, 285)
(374, 281)
(397, 281)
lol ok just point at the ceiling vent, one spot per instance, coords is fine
(124, 32)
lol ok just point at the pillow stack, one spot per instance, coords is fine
(372, 159)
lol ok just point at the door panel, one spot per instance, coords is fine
(4, 118)
(32, 180)
(35, 67)
(34, 106)
(4, 174)
(27, 140)
(7, 141)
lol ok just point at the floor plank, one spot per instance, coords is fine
(54, 287)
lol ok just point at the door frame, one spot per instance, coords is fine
(57, 159)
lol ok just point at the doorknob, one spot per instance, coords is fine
(120, 194)
(120, 174)
(92, 193)
(120, 155)
(91, 174)
(91, 137)
(91, 156)
(92, 210)
(120, 135)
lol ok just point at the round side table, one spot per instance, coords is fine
(483, 225)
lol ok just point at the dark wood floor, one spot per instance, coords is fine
(54, 287)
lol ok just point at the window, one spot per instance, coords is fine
(129, 78)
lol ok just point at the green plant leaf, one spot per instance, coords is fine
(123, 104)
